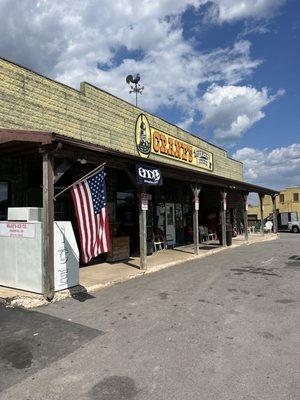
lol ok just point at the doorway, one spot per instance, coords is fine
(170, 223)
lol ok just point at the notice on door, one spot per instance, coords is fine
(144, 201)
(17, 230)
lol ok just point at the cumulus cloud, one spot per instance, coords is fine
(278, 168)
(103, 41)
(233, 10)
(231, 110)
(94, 41)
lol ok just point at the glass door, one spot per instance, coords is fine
(170, 224)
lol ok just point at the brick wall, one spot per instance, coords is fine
(31, 101)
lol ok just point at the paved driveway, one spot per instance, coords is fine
(224, 327)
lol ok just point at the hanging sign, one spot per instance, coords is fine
(152, 141)
(197, 203)
(147, 175)
(144, 201)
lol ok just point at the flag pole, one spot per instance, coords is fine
(79, 180)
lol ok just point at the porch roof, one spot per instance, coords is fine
(15, 141)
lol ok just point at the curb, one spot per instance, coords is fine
(38, 300)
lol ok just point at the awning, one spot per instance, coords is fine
(21, 141)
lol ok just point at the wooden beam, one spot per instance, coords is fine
(275, 225)
(47, 227)
(196, 190)
(245, 214)
(261, 207)
(16, 135)
(223, 216)
(143, 231)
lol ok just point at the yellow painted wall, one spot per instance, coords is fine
(31, 101)
(288, 205)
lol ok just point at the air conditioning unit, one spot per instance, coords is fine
(28, 214)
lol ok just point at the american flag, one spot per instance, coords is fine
(89, 197)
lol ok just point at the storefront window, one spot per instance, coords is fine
(125, 207)
(127, 218)
(4, 199)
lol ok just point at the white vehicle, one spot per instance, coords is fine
(294, 226)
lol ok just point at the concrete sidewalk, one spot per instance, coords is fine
(98, 276)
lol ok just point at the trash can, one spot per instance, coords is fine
(228, 234)
(149, 247)
(219, 233)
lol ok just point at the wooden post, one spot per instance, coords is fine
(261, 207)
(196, 190)
(275, 225)
(47, 227)
(223, 216)
(143, 231)
(245, 214)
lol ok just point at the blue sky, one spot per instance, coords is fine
(279, 50)
(225, 70)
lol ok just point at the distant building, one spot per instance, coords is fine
(288, 200)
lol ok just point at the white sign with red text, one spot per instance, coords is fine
(196, 203)
(17, 230)
(144, 201)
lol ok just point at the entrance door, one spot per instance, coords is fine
(170, 224)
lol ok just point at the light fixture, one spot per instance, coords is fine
(81, 159)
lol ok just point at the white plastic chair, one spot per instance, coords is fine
(158, 243)
(212, 235)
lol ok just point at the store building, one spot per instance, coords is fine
(51, 135)
(287, 205)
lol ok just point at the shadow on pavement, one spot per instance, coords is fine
(31, 341)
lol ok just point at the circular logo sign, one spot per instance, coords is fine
(143, 136)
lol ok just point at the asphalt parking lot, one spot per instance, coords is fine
(223, 327)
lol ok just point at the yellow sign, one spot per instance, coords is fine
(150, 140)
(143, 136)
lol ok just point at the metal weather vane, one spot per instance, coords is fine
(135, 87)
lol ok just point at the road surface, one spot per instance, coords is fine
(222, 327)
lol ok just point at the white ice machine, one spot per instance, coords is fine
(21, 252)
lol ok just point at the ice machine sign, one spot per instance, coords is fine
(17, 229)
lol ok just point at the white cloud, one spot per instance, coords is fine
(233, 10)
(102, 41)
(231, 110)
(68, 40)
(276, 168)
(186, 123)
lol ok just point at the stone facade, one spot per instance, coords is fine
(31, 101)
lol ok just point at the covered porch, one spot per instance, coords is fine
(52, 155)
